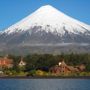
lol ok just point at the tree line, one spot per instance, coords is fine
(46, 61)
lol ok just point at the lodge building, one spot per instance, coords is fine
(6, 62)
(22, 63)
(62, 67)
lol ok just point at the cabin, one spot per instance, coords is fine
(81, 67)
(62, 67)
(22, 63)
(6, 62)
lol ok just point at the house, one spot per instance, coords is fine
(62, 67)
(22, 63)
(81, 67)
(6, 62)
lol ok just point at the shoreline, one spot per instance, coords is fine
(45, 77)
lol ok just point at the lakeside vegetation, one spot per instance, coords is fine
(40, 64)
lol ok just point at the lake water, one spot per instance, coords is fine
(44, 84)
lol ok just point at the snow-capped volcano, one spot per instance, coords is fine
(51, 20)
(47, 26)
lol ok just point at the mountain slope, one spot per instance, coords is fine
(46, 26)
(48, 15)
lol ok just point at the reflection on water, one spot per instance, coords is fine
(44, 84)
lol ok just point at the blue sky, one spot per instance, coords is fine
(11, 11)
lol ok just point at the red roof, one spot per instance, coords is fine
(5, 61)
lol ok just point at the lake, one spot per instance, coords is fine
(44, 84)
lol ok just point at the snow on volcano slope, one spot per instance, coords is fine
(51, 17)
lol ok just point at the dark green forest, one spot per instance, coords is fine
(40, 64)
(46, 61)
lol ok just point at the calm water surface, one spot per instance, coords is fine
(44, 84)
